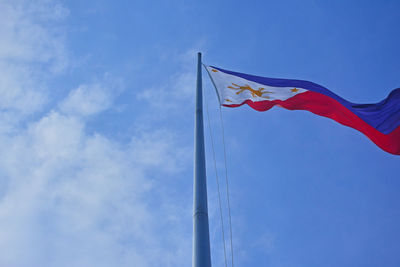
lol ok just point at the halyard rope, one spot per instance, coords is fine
(226, 181)
(218, 187)
(226, 168)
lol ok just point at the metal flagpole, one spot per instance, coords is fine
(201, 236)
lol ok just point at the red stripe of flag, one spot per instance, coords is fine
(323, 105)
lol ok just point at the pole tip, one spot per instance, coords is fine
(199, 54)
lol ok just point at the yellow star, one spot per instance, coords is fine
(294, 90)
(214, 70)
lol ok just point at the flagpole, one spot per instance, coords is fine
(201, 236)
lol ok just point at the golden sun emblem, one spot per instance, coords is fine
(259, 92)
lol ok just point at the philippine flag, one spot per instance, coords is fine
(380, 122)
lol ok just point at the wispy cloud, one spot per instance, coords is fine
(87, 99)
(31, 45)
(175, 93)
(70, 197)
(29, 33)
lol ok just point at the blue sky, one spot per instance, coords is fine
(96, 133)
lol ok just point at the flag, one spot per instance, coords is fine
(380, 122)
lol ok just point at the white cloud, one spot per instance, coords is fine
(166, 158)
(69, 197)
(26, 34)
(87, 100)
(31, 46)
(74, 199)
(18, 89)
